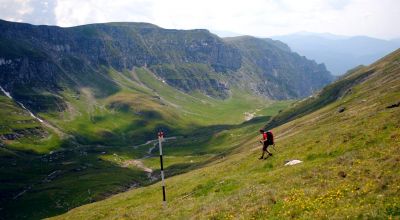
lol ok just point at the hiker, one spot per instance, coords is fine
(266, 140)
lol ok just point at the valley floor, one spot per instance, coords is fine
(109, 146)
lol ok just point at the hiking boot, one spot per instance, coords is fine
(261, 158)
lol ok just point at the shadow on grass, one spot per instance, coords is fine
(75, 175)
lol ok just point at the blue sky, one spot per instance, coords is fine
(376, 18)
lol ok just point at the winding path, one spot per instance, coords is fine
(139, 163)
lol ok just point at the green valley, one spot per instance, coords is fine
(350, 163)
(102, 149)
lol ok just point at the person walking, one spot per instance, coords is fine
(267, 140)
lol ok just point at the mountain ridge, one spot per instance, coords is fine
(301, 75)
(187, 59)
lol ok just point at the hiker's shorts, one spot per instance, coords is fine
(266, 145)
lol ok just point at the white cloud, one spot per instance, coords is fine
(76, 12)
(15, 10)
(253, 17)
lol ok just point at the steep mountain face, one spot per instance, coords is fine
(36, 60)
(339, 53)
(281, 73)
(52, 57)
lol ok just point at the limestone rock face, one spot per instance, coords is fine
(37, 60)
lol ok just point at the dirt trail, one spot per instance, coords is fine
(91, 102)
(139, 163)
(250, 115)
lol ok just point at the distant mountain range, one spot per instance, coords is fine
(339, 53)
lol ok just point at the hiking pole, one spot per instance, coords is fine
(273, 146)
(160, 139)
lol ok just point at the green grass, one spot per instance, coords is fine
(104, 174)
(350, 167)
(31, 136)
(145, 104)
(35, 145)
(99, 132)
(13, 117)
(82, 179)
(203, 109)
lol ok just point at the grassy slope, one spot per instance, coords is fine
(32, 136)
(89, 165)
(350, 170)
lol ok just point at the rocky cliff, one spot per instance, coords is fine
(281, 73)
(37, 62)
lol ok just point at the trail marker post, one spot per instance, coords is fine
(160, 140)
